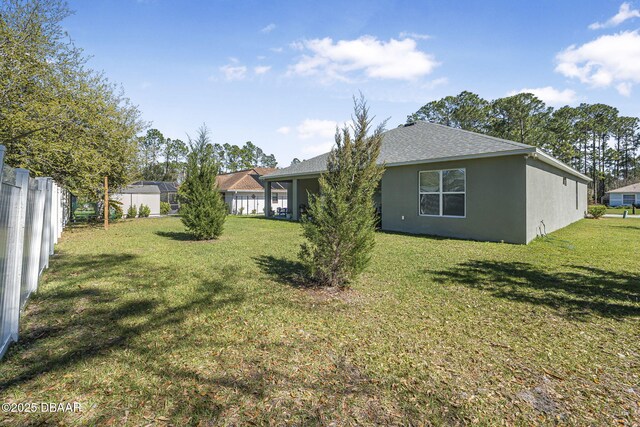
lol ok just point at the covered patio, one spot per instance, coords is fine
(297, 193)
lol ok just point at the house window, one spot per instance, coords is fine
(628, 199)
(442, 193)
(274, 197)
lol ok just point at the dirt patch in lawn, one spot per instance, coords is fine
(324, 295)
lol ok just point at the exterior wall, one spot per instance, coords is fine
(306, 186)
(551, 200)
(151, 200)
(253, 201)
(615, 199)
(495, 200)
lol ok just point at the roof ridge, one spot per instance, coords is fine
(246, 170)
(478, 134)
(632, 188)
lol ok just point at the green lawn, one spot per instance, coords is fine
(620, 211)
(143, 326)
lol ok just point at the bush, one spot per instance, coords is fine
(115, 209)
(596, 211)
(201, 205)
(144, 211)
(132, 212)
(165, 208)
(339, 227)
(241, 210)
(253, 211)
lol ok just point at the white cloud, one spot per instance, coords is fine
(608, 60)
(318, 134)
(624, 13)
(297, 45)
(550, 95)
(310, 128)
(145, 84)
(435, 83)
(317, 149)
(231, 72)
(268, 28)
(261, 69)
(284, 130)
(416, 36)
(395, 59)
(624, 88)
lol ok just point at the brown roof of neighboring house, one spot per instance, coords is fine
(246, 180)
(633, 188)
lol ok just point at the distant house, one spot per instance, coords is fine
(168, 192)
(625, 196)
(137, 195)
(455, 183)
(243, 192)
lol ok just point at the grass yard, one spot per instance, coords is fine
(620, 211)
(143, 326)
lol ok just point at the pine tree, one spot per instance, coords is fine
(341, 220)
(202, 209)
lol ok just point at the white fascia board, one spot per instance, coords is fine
(542, 156)
(288, 177)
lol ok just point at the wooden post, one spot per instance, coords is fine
(106, 203)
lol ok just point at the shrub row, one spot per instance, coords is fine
(143, 212)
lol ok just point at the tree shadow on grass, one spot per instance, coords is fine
(629, 227)
(85, 317)
(182, 236)
(285, 271)
(577, 293)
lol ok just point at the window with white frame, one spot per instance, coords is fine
(442, 193)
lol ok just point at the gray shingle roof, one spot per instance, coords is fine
(140, 189)
(421, 141)
(164, 186)
(633, 188)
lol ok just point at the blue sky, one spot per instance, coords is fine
(282, 74)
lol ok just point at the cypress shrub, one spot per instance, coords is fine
(202, 208)
(340, 223)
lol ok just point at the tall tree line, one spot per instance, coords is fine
(232, 158)
(59, 118)
(160, 158)
(165, 159)
(593, 138)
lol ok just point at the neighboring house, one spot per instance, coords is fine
(243, 192)
(168, 192)
(455, 183)
(625, 196)
(139, 194)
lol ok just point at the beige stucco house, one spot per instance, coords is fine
(243, 192)
(451, 182)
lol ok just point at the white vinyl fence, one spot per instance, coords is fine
(33, 212)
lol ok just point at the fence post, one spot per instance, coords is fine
(37, 234)
(47, 245)
(54, 217)
(5, 327)
(14, 254)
